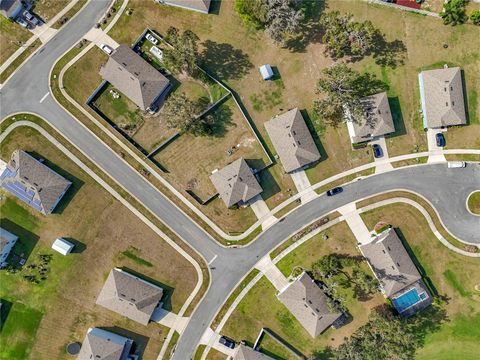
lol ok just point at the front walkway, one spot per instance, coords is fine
(302, 184)
(435, 151)
(262, 212)
(99, 37)
(355, 223)
(382, 164)
(273, 274)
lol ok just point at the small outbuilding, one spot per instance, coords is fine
(266, 71)
(63, 246)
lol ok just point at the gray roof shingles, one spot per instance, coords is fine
(196, 5)
(244, 352)
(308, 303)
(236, 183)
(134, 77)
(129, 296)
(444, 98)
(292, 140)
(104, 345)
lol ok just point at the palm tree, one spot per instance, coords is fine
(454, 12)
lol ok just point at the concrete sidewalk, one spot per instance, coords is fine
(355, 223)
(273, 274)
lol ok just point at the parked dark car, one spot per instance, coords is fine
(334, 191)
(227, 342)
(377, 151)
(440, 139)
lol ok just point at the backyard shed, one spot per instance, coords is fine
(266, 71)
(62, 246)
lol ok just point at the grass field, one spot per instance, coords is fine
(260, 308)
(102, 230)
(12, 36)
(450, 273)
(47, 9)
(474, 202)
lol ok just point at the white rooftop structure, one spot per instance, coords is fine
(62, 246)
(266, 71)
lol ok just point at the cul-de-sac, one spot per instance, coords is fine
(239, 179)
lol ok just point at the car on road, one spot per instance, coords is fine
(227, 342)
(152, 39)
(106, 49)
(377, 151)
(440, 139)
(334, 191)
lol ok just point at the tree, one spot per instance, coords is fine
(343, 89)
(184, 54)
(345, 37)
(252, 12)
(365, 282)
(475, 17)
(182, 114)
(327, 266)
(283, 20)
(454, 12)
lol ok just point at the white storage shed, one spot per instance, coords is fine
(266, 71)
(62, 246)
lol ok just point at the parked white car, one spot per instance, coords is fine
(155, 51)
(152, 39)
(107, 49)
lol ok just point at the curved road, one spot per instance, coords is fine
(447, 189)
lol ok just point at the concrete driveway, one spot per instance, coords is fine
(436, 155)
(382, 164)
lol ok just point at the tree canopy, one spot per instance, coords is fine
(454, 12)
(343, 36)
(184, 54)
(342, 89)
(475, 17)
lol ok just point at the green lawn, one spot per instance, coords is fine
(474, 202)
(18, 332)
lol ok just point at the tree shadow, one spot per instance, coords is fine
(388, 53)
(397, 116)
(368, 84)
(139, 341)
(219, 120)
(225, 61)
(71, 191)
(167, 290)
(26, 240)
(5, 307)
(269, 185)
(324, 354)
(309, 31)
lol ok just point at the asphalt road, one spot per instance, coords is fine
(446, 188)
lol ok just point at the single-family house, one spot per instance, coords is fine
(104, 345)
(33, 182)
(202, 6)
(244, 352)
(398, 276)
(442, 97)
(376, 120)
(236, 183)
(292, 140)
(130, 296)
(309, 304)
(11, 9)
(134, 77)
(7, 242)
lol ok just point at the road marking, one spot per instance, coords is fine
(213, 259)
(44, 97)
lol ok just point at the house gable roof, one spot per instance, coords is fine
(236, 182)
(377, 118)
(390, 262)
(244, 352)
(129, 296)
(444, 103)
(292, 140)
(8, 8)
(308, 303)
(104, 345)
(134, 77)
(196, 5)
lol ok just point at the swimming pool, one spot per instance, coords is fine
(408, 299)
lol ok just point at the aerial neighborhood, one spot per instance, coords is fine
(242, 179)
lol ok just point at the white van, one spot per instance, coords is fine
(456, 164)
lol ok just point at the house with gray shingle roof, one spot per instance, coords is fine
(104, 345)
(292, 140)
(376, 121)
(202, 6)
(134, 77)
(396, 272)
(33, 182)
(244, 352)
(441, 94)
(7, 242)
(236, 183)
(11, 9)
(309, 304)
(130, 296)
